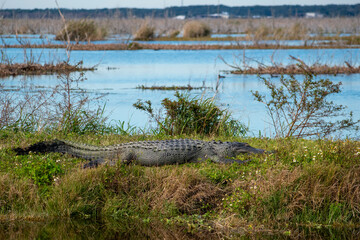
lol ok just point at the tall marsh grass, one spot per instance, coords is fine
(196, 29)
(129, 26)
(65, 108)
(81, 30)
(145, 33)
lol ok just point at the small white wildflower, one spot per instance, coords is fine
(294, 160)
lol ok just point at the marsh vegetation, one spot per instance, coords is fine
(303, 188)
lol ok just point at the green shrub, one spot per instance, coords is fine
(300, 108)
(187, 115)
(145, 33)
(195, 29)
(81, 30)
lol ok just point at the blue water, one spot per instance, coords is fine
(118, 39)
(120, 72)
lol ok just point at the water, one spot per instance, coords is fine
(118, 39)
(120, 72)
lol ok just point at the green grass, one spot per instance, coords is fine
(192, 115)
(306, 184)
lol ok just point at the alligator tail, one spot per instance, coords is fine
(77, 150)
(43, 147)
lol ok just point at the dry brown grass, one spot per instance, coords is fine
(186, 188)
(81, 30)
(295, 69)
(17, 196)
(167, 25)
(196, 29)
(145, 33)
(38, 69)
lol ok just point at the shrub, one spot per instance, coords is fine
(187, 115)
(195, 29)
(81, 30)
(145, 33)
(301, 108)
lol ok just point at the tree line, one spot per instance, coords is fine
(332, 10)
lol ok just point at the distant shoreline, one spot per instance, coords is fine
(142, 46)
(187, 12)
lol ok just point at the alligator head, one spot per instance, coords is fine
(232, 149)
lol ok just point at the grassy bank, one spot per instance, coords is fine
(306, 187)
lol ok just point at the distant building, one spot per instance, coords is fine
(180, 17)
(313, 15)
(224, 15)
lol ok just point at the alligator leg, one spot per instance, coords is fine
(229, 161)
(94, 163)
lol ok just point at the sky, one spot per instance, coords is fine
(90, 4)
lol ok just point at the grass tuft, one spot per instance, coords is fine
(81, 30)
(145, 33)
(196, 29)
(187, 115)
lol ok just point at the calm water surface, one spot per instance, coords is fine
(120, 72)
(116, 39)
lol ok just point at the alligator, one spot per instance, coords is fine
(147, 153)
